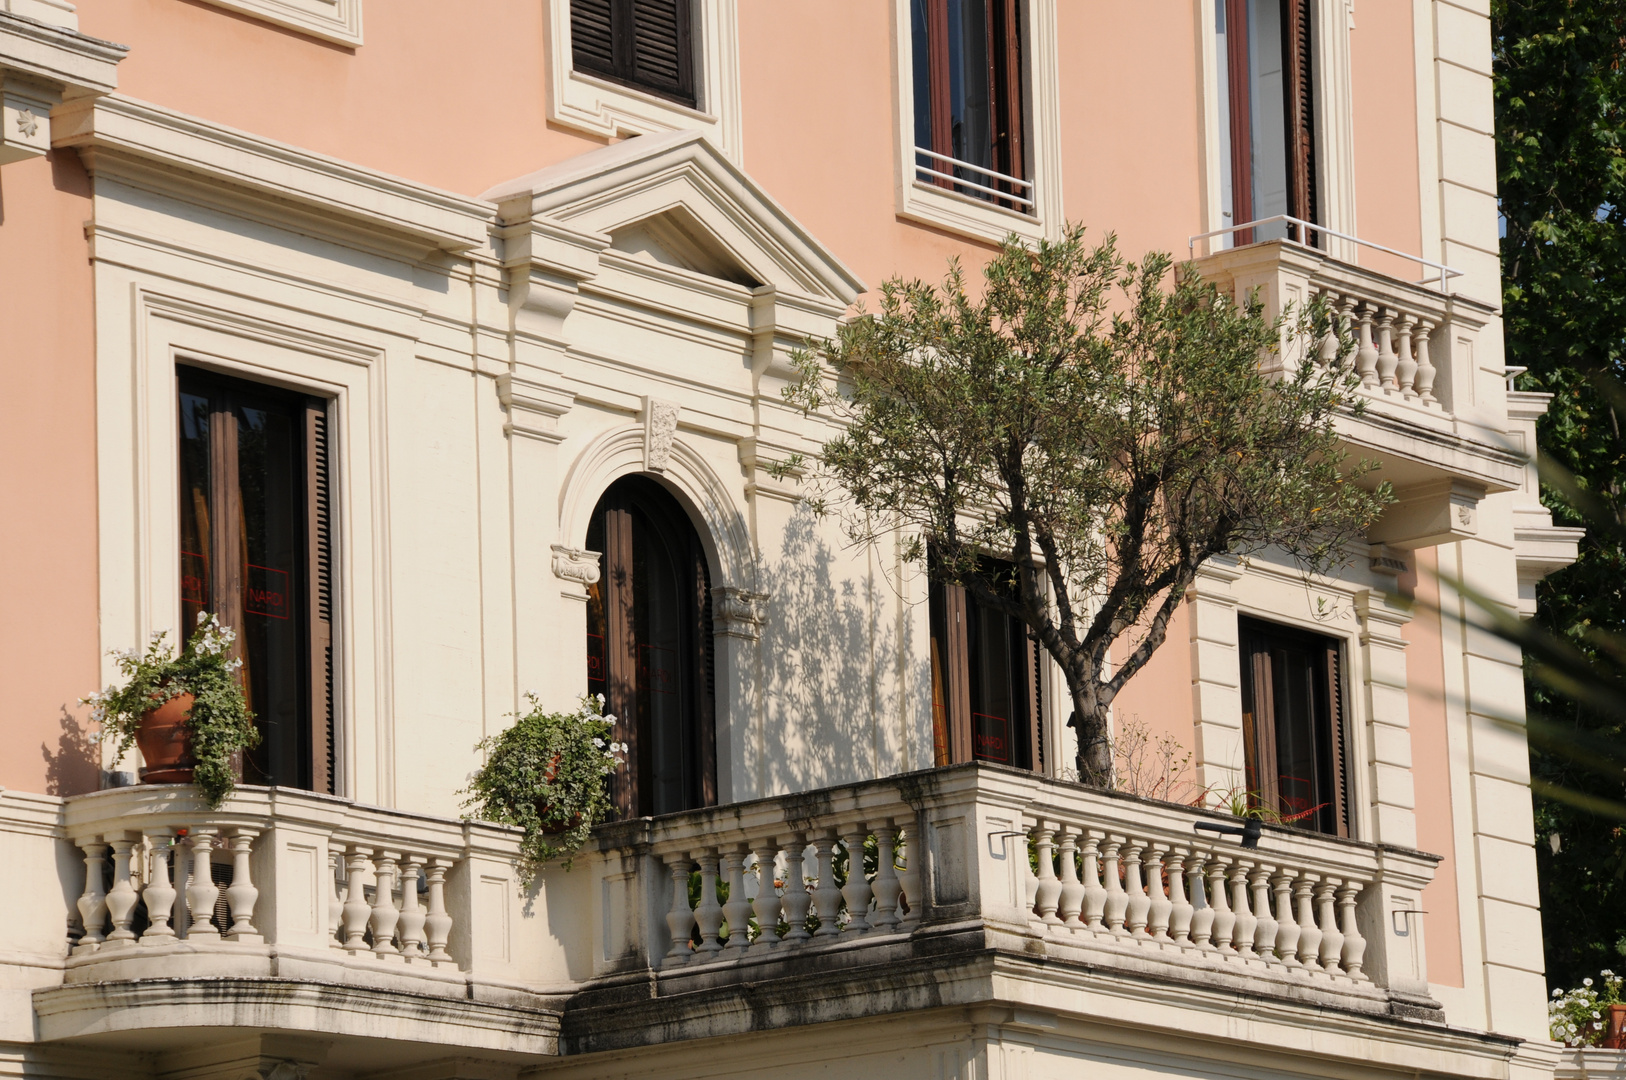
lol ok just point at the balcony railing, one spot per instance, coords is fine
(975, 181)
(1123, 882)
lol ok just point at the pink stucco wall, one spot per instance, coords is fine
(48, 573)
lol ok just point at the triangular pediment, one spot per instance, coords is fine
(673, 199)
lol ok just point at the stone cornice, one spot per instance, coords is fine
(122, 135)
(74, 64)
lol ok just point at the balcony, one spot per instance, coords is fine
(310, 928)
(1432, 417)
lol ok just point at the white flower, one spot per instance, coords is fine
(1586, 982)
(1558, 993)
(598, 743)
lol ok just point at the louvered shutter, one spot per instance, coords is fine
(592, 43)
(661, 53)
(319, 558)
(1297, 49)
(1339, 796)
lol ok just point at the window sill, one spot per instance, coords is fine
(338, 21)
(929, 204)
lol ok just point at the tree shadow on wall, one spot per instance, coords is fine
(830, 656)
(73, 767)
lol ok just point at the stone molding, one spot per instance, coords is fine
(158, 147)
(338, 21)
(576, 565)
(660, 427)
(41, 65)
(738, 613)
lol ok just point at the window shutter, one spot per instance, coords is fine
(662, 57)
(1340, 741)
(319, 558)
(705, 706)
(592, 44)
(1297, 47)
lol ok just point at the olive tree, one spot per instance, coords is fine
(1102, 427)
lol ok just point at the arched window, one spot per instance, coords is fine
(649, 647)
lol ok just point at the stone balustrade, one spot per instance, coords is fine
(877, 869)
(171, 886)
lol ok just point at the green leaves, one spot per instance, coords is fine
(546, 774)
(1106, 420)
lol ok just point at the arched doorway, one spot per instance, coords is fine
(649, 647)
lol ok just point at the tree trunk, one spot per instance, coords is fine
(1091, 721)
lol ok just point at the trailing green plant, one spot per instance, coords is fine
(220, 723)
(1580, 1017)
(546, 774)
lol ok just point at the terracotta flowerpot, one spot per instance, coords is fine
(542, 807)
(166, 744)
(1614, 1028)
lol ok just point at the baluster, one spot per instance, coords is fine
(767, 902)
(887, 888)
(1264, 931)
(160, 893)
(438, 924)
(1354, 943)
(1224, 918)
(122, 897)
(1309, 932)
(1387, 360)
(1346, 325)
(1406, 367)
(335, 901)
(1366, 357)
(202, 892)
(679, 917)
(241, 895)
(1202, 916)
(1139, 903)
(1072, 889)
(857, 891)
(1246, 921)
(737, 911)
(826, 897)
(1157, 915)
(709, 914)
(1095, 897)
(1030, 880)
(1425, 367)
(385, 915)
(1332, 938)
(1117, 900)
(1180, 909)
(413, 915)
(797, 898)
(1329, 341)
(1287, 926)
(92, 903)
(909, 878)
(1047, 893)
(356, 909)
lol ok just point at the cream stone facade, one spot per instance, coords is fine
(507, 282)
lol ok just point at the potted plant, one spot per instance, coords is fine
(1589, 1015)
(186, 712)
(546, 774)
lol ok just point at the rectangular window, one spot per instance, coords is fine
(985, 685)
(256, 549)
(1293, 726)
(1267, 116)
(970, 131)
(640, 43)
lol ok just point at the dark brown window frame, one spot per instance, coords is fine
(226, 572)
(1299, 108)
(1261, 645)
(606, 43)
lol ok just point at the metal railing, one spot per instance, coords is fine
(1446, 273)
(1010, 196)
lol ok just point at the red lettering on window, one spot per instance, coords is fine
(266, 592)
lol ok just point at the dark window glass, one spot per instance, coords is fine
(968, 90)
(641, 43)
(1293, 726)
(1267, 103)
(649, 647)
(253, 551)
(984, 671)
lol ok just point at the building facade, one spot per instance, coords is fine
(439, 348)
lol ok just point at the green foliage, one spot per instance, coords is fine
(1106, 420)
(546, 774)
(1580, 1017)
(219, 723)
(1560, 85)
